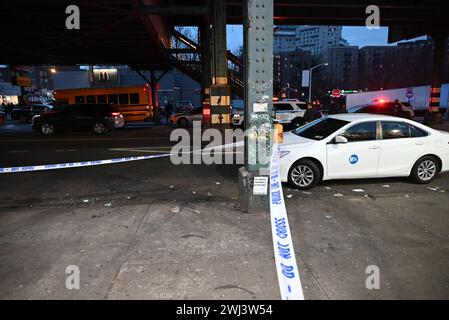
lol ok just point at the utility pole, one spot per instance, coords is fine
(310, 78)
(258, 96)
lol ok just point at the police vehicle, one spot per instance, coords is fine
(285, 112)
(357, 145)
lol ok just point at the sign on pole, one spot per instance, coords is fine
(305, 78)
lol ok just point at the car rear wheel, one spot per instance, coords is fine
(425, 170)
(47, 129)
(304, 175)
(100, 128)
(183, 122)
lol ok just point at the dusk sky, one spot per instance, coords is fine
(356, 36)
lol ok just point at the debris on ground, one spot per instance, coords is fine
(209, 194)
(217, 183)
(358, 190)
(172, 187)
(338, 195)
(385, 186)
(175, 210)
(328, 188)
(194, 192)
(433, 189)
(307, 192)
(108, 204)
(86, 200)
(328, 217)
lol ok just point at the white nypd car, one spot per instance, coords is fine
(351, 146)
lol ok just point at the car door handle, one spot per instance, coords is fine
(374, 147)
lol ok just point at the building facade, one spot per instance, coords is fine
(342, 68)
(314, 39)
(287, 73)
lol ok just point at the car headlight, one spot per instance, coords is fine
(283, 154)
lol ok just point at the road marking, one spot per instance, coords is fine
(162, 151)
(93, 162)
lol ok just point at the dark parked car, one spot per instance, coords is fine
(389, 108)
(26, 113)
(79, 117)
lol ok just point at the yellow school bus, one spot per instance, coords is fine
(134, 102)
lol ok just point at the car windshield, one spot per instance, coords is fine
(320, 128)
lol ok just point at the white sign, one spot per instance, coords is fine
(260, 187)
(305, 78)
(260, 107)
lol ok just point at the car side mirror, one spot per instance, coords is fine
(340, 139)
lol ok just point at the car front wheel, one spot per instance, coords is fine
(425, 170)
(304, 175)
(47, 129)
(100, 128)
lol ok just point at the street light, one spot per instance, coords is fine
(310, 78)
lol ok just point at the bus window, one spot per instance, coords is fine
(101, 98)
(90, 99)
(80, 99)
(112, 98)
(123, 98)
(134, 98)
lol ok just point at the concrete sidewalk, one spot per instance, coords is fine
(204, 251)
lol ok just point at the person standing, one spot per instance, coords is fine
(310, 113)
(168, 111)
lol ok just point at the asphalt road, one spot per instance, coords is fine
(338, 228)
(20, 146)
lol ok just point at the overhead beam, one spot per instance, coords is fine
(166, 10)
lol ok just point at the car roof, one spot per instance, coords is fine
(352, 117)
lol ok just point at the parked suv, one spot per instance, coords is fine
(79, 117)
(26, 113)
(288, 113)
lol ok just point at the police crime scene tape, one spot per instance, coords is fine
(284, 253)
(68, 165)
(79, 164)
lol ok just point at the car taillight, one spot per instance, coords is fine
(115, 114)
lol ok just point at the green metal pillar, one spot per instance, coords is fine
(258, 89)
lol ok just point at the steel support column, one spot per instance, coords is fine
(258, 88)
(439, 55)
(219, 90)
